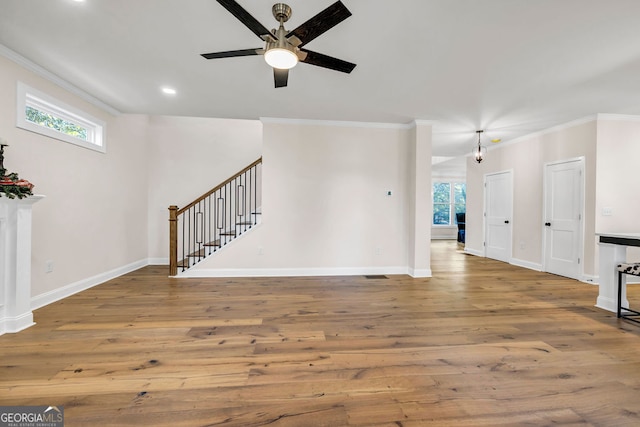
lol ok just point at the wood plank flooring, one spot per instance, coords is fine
(481, 343)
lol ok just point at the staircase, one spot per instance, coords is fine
(214, 219)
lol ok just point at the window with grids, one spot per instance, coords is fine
(449, 198)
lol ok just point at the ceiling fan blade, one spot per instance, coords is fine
(280, 77)
(233, 53)
(323, 21)
(245, 17)
(325, 61)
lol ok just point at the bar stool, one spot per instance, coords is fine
(633, 270)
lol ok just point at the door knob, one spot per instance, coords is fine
(506, 222)
(547, 224)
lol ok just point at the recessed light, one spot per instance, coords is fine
(496, 140)
(169, 91)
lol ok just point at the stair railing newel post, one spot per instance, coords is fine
(173, 240)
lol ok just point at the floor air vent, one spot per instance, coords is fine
(376, 276)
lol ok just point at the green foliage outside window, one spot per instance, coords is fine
(441, 203)
(448, 199)
(47, 120)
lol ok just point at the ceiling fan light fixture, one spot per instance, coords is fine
(281, 58)
(284, 49)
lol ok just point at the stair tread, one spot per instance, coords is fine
(214, 243)
(228, 233)
(198, 254)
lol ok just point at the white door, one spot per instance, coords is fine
(498, 196)
(563, 213)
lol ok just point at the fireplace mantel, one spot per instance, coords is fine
(15, 263)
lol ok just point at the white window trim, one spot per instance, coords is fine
(96, 128)
(452, 211)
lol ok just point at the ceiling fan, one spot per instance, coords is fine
(284, 49)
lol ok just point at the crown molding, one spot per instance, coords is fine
(619, 117)
(418, 122)
(53, 78)
(345, 123)
(337, 123)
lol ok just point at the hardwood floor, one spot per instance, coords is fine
(481, 343)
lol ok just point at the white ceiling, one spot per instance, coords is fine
(511, 67)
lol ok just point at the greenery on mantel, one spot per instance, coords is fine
(11, 185)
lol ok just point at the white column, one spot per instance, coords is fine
(15, 263)
(610, 256)
(420, 238)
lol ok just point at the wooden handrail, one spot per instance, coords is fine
(174, 215)
(210, 192)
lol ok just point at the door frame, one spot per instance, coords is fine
(581, 161)
(484, 213)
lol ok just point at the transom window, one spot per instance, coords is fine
(449, 198)
(43, 114)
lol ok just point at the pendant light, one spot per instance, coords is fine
(480, 151)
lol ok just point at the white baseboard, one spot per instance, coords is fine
(420, 273)
(81, 285)
(473, 252)
(16, 324)
(291, 272)
(514, 261)
(595, 280)
(526, 264)
(609, 304)
(592, 280)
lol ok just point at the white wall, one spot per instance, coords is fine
(444, 232)
(93, 219)
(617, 178)
(187, 157)
(326, 209)
(527, 157)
